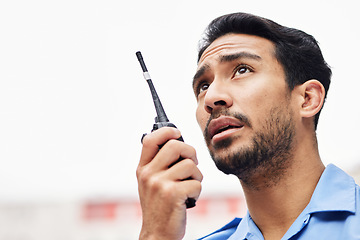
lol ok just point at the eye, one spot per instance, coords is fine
(242, 69)
(203, 86)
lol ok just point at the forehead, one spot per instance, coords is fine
(234, 43)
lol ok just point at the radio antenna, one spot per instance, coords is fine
(161, 115)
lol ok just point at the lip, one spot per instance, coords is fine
(230, 125)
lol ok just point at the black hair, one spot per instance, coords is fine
(297, 51)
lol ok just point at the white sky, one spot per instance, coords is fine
(73, 103)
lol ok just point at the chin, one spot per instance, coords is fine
(227, 147)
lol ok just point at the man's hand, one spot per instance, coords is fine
(163, 190)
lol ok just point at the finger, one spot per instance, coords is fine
(152, 141)
(189, 189)
(184, 169)
(171, 152)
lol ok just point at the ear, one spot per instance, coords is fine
(312, 98)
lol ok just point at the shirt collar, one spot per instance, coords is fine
(335, 191)
(243, 228)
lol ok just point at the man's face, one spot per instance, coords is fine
(244, 105)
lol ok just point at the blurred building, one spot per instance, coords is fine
(110, 219)
(105, 219)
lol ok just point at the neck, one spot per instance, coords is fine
(274, 207)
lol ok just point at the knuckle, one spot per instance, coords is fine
(138, 172)
(198, 186)
(201, 177)
(171, 130)
(198, 189)
(192, 149)
(155, 184)
(172, 143)
(165, 190)
(168, 191)
(188, 163)
(143, 175)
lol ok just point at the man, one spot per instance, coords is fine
(260, 88)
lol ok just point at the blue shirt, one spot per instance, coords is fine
(333, 213)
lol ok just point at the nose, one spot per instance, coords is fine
(217, 96)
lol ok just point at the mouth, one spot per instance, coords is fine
(223, 127)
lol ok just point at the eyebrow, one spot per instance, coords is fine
(235, 56)
(199, 73)
(223, 59)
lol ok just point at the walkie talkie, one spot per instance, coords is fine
(161, 120)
